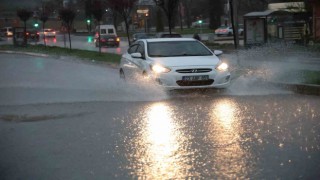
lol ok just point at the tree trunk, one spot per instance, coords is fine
(99, 38)
(44, 36)
(69, 37)
(24, 33)
(127, 29)
(232, 22)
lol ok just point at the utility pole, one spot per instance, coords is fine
(233, 5)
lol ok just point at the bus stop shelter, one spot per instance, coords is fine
(272, 26)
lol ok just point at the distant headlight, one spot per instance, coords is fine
(222, 67)
(160, 69)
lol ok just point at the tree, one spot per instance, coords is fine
(97, 11)
(88, 13)
(52, 5)
(124, 8)
(215, 9)
(159, 25)
(169, 7)
(67, 16)
(187, 4)
(24, 15)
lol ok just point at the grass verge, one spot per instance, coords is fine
(59, 51)
(177, 30)
(305, 76)
(311, 77)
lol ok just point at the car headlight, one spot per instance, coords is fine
(222, 67)
(160, 69)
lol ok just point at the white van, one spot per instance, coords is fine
(105, 30)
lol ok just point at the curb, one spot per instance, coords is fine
(304, 88)
(308, 89)
(111, 65)
(25, 53)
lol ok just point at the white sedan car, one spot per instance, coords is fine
(227, 31)
(48, 33)
(175, 63)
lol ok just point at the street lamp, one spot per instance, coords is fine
(200, 24)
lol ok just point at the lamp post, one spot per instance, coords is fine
(235, 29)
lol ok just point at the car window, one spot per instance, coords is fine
(103, 31)
(140, 48)
(177, 48)
(133, 48)
(110, 31)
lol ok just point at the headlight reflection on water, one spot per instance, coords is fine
(170, 145)
(159, 151)
(224, 132)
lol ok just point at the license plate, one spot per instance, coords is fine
(111, 39)
(195, 78)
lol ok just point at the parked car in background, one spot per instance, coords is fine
(175, 63)
(227, 31)
(6, 32)
(142, 35)
(50, 33)
(32, 34)
(107, 40)
(167, 35)
(105, 29)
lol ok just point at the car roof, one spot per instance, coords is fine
(169, 39)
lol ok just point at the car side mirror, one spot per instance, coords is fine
(218, 52)
(136, 55)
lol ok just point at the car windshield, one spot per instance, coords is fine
(177, 48)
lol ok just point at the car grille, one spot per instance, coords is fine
(195, 83)
(202, 70)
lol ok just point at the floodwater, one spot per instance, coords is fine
(66, 119)
(29, 80)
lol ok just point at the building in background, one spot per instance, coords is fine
(316, 19)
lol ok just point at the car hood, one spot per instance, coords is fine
(187, 61)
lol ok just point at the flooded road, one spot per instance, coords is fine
(65, 119)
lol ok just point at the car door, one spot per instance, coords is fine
(139, 63)
(127, 63)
